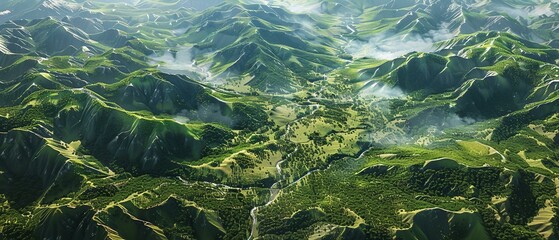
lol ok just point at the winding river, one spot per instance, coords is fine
(275, 188)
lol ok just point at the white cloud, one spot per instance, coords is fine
(300, 8)
(181, 62)
(294, 6)
(527, 12)
(453, 120)
(380, 90)
(388, 47)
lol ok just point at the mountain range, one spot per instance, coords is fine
(279, 119)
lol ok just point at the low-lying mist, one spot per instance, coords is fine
(380, 90)
(294, 6)
(526, 12)
(205, 113)
(387, 46)
(181, 62)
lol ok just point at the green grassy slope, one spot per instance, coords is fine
(249, 119)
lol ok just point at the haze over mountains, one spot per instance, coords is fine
(252, 119)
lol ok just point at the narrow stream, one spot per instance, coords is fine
(275, 188)
(274, 192)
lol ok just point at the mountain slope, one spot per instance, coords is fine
(251, 119)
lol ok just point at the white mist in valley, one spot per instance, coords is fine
(181, 62)
(294, 6)
(527, 12)
(207, 113)
(380, 90)
(297, 7)
(387, 47)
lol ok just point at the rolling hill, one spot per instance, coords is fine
(280, 119)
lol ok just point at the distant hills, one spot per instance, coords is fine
(279, 119)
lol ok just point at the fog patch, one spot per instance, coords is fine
(180, 62)
(209, 113)
(387, 137)
(526, 12)
(298, 7)
(436, 120)
(180, 31)
(183, 62)
(5, 12)
(452, 120)
(294, 6)
(181, 117)
(59, 4)
(388, 47)
(380, 90)
(422, 129)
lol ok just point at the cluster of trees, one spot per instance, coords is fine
(108, 190)
(26, 117)
(333, 193)
(457, 182)
(342, 197)
(510, 125)
(528, 196)
(317, 138)
(215, 138)
(503, 230)
(248, 117)
(245, 161)
(23, 191)
(16, 230)
(232, 207)
(335, 114)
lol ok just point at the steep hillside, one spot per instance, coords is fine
(280, 119)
